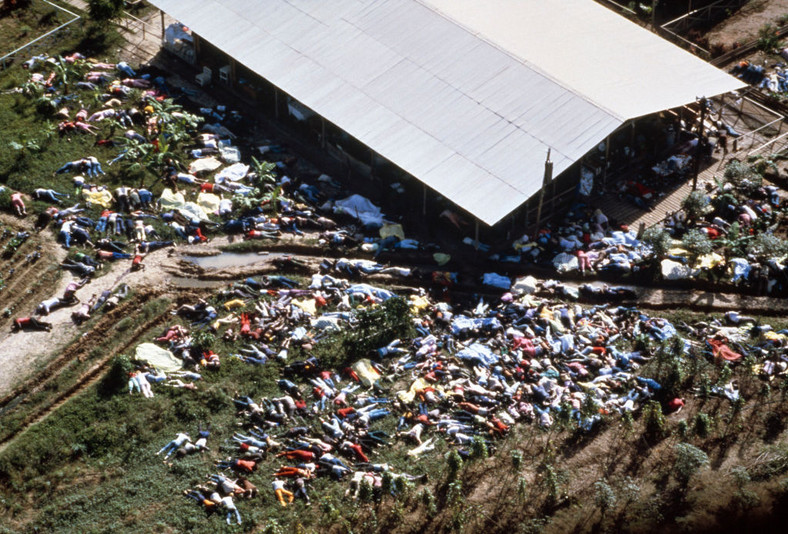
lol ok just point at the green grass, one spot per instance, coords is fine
(20, 26)
(118, 436)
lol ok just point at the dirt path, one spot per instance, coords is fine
(79, 350)
(23, 352)
(744, 25)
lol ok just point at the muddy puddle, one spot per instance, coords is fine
(229, 260)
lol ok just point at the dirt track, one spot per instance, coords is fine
(23, 352)
(744, 25)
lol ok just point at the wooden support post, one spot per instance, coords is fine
(162, 24)
(476, 239)
(722, 107)
(654, 15)
(424, 199)
(699, 151)
(548, 176)
(607, 161)
(322, 132)
(276, 103)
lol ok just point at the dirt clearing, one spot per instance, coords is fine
(744, 25)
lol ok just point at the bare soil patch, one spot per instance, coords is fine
(744, 25)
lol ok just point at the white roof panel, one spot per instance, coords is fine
(465, 95)
(592, 51)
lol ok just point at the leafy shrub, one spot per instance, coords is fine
(689, 460)
(215, 400)
(697, 244)
(430, 503)
(767, 38)
(604, 496)
(454, 462)
(682, 429)
(387, 483)
(374, 328)
(553, 481)
(365, 491)
(117, 377)
(740, 476)
(517, 459)
(746, 499)
(479, 448)
(48, 18)
(654, 421)
(766, 245)
(702, 425)
(742, 176)
(658, 239)
(629, 490)
(522, 489)
(695, 204)
(454, 495)
(103, 11)
(204, 339)
(5, 198)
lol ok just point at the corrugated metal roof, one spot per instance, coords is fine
(465, 95)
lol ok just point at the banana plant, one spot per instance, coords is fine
(264, 171)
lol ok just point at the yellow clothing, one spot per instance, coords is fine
(418, 304)
(235, 303)
(281, 494)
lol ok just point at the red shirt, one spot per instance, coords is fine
(675, 404)
(246, 465)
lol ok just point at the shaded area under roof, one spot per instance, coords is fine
(465, 95)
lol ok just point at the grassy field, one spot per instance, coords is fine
(20, 26)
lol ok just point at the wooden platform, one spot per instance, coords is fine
(625, 212)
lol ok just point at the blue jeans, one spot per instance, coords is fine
(66, 237)
(125, 69)
(169, 448)
(146, 197)
(65, 168)
(230, 515)
(377, 413)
